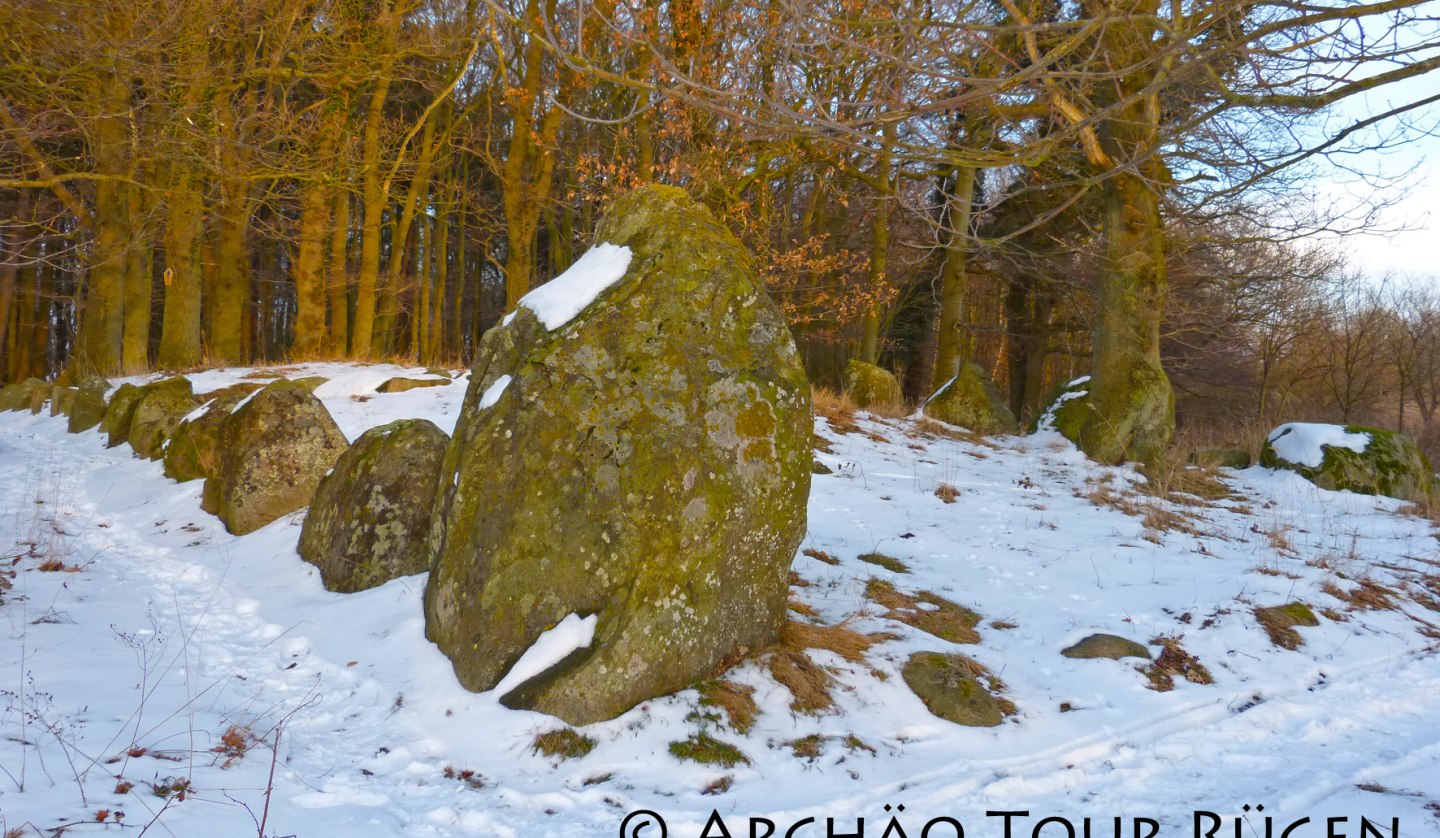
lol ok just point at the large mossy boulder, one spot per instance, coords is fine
(650, 421)
(971, 400)
(158, 412)
(370, 518)
(89, 407)
(871, 386)
(1066, 409)
(949, 689)
(191, 454)
(1370, 461)
(272, 453)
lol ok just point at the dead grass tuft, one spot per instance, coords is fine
(890, 563)
(1153, 514)
(835, 408)
(947, 493)
(808, 747)
(564, 743)
(736, 701)
(811, 685)
(1280, 621)
(1367, 595)
(820, 556)
(944, 619)
(1173, 661)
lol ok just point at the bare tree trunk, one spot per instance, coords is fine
(339, 278)
(949, 352)
(180, 324)
(135, 342)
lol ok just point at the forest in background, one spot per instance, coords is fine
(1122, 188)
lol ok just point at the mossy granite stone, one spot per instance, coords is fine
(871, 386)
(648, 463)
(191, 454)
(1390, 465)
(272, 453)
(371, 515)
(119, 413)
(89, 407)
(971, 400)
(158, 412)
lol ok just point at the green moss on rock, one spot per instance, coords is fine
(1066, 409)
(62, 400)
(871, 386)
(1390, 465)
(191, 454)
(950, 691)
(655, 455)
(400, 385)
(157, 413)
(89, 407)
(1280, 621)
(971, 400)
(21, 396)
(119, 413)
(272, 453)
(370, 517)
(1109, 646)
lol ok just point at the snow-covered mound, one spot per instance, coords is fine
(147, 651)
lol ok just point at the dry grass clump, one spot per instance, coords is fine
(820, 556)
(804, 609)
(945, 619)
(811, 685)
(564, 743)
(1367, 595)
(707, 750)
(1173, 661)
(736, 701)
(1152, 513)
(719, 785)
(808, 747)
(947, 493)
(835, 408)
(890, 563)
(1280, 621)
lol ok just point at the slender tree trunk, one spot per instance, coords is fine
(950, 341)
(135, 343)
(231, 301)
(339, 279)
(309, 271)
(373, 200)
(440, 274)
(11, 255)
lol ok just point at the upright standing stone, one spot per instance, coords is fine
(643, 458)
(273, 452)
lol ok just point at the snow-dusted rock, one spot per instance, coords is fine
(647, 463)
(1370, 461)
(971, 400)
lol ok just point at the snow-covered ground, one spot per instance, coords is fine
(161, 633)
